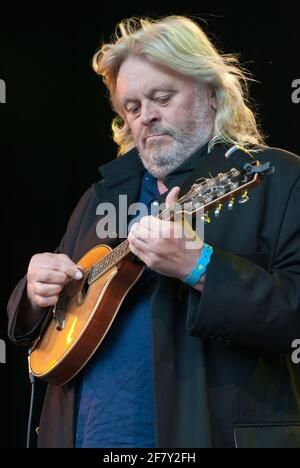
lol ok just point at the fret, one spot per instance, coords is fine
(95, 268)
(124, 248)
(121, 252)
(116, 254)
(91, 275)
(112, 258)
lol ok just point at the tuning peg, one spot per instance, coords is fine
(244, 198)
(206, 218)
(231, 203)
(218, 210)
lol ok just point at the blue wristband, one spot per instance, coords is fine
(200, 266)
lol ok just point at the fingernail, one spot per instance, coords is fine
(78, 275)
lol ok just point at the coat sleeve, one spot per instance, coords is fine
(17, 303)
(244, 305)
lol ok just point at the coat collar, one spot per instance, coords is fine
(123, 175)
(122, 169)
(120, 186)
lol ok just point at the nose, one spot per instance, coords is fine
(149, 113)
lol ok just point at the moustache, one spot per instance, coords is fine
(157, 131)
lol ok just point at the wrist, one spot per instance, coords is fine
(200, 268)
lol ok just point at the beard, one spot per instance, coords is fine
(163, 155)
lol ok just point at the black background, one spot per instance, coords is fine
(55, 126)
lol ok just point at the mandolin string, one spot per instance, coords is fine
(123, 249)
(109, 260)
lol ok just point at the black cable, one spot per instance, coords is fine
(29, 425)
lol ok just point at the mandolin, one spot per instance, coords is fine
(76, 326)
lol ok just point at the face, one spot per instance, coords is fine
(169, 114)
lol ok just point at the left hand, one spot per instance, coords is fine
(162, 245)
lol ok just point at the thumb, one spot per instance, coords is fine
(80, 272)
(172, 196)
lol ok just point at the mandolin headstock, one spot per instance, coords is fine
(212, 193)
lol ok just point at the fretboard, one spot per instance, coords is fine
(109, 261)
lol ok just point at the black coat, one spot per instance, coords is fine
(223, 374)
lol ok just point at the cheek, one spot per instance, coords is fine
(176, 119)
(171, 117)
(176, 115)
(135, 131)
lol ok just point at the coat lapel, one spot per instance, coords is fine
(120, 187)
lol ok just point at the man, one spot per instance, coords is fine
(192, 360)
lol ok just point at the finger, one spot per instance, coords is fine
(158, 228)
(60, 262)
(47, 290)
(73, 270)
(49, 277)
(138, 231)
(135, 242)
(139, 246)
(151, 223)
(138, 251)
(63, 266)
(44, 301)
(191, 235)
(172, 196)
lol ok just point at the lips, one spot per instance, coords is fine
(155, 135)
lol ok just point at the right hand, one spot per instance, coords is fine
(47, 275)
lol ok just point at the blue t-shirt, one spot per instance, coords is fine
(114, 404)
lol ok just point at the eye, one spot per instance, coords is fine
(163, 100)
(133, 109)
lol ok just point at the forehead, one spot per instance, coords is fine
(138, 76)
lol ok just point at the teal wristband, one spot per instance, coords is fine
(200, 266)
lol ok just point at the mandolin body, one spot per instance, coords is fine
(86, 313)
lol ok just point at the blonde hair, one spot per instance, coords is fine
(180, 44)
